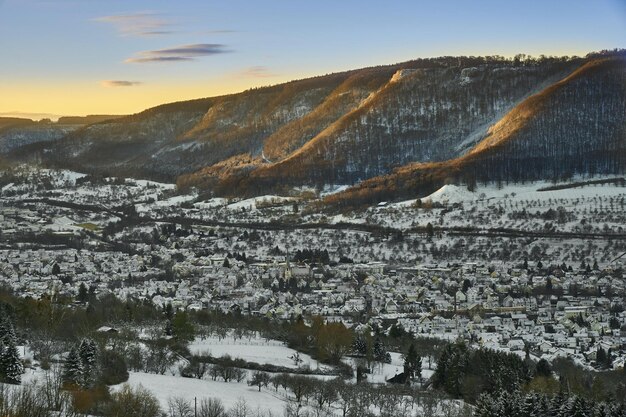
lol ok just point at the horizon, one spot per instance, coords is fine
(131, 56)
(55, 117)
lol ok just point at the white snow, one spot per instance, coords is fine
(253, 350)
(381, 372)
(451, 194)
(165, 387)
(146, 183)
(334, 189)
(211, 203)
(252, 203)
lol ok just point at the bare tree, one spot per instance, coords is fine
(240, 409)
(211, 407)
(179, 407)
(259, 379)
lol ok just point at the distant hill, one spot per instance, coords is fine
(18, 134)
(13, 122)
(390, 131)
(86, 120)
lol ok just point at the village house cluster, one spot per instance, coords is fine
(546, 308)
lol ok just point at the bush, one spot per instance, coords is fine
(113, 368)
(133, 402)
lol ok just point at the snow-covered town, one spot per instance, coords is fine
(312, 209)
(546, 294)
(549, 288)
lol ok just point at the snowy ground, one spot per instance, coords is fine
(256, 202)
(253, 349)
(165, 387)
(380, 373)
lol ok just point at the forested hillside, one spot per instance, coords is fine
(391, 131)
(574, 127)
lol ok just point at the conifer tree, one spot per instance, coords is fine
(88, 353)
(73, 368)
(7, 332)
(11, 367)
(413, 363)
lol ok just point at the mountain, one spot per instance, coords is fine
(18, 134)
(86, 120)
(574, 126)
(390, 131)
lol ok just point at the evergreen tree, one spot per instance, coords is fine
(88, 353)
(359, 345)
(7, 332)
(543, 368)
(529, 406)
(73, 368)
(183, 329)
(11, 367)
(485, 406)
(412, 363)
(380, 353)
(83, 294)
(600, 356)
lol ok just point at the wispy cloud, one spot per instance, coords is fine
(119, 83)
(257, 72)
(179, 53)
(138, 24)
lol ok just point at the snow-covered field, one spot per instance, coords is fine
(254, 203)
(493, 206)
(253, 349)
(165, 387)
(381, 372)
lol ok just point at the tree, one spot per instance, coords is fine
(7, 332)
(196, 368)
(159, 357)
(600, 356)
(133, 402)
(333, 341)
(324, 394)
(380, 352)
(543, 368)
(359, 345)
(300, 386)
(11, 367)
(88, 352)
(430, 232)
(182, 327)
(83, 293)
(412, 363)
(259, 379)
(73, 369)
(113, 369)
(211, 407)
(179, 407)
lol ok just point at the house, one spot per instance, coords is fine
(516, 344)
(107, 329)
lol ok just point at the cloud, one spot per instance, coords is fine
(179, 53)
(119, 83)
(257, 72)
(138, 24)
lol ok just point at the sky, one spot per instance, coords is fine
(78, 57)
